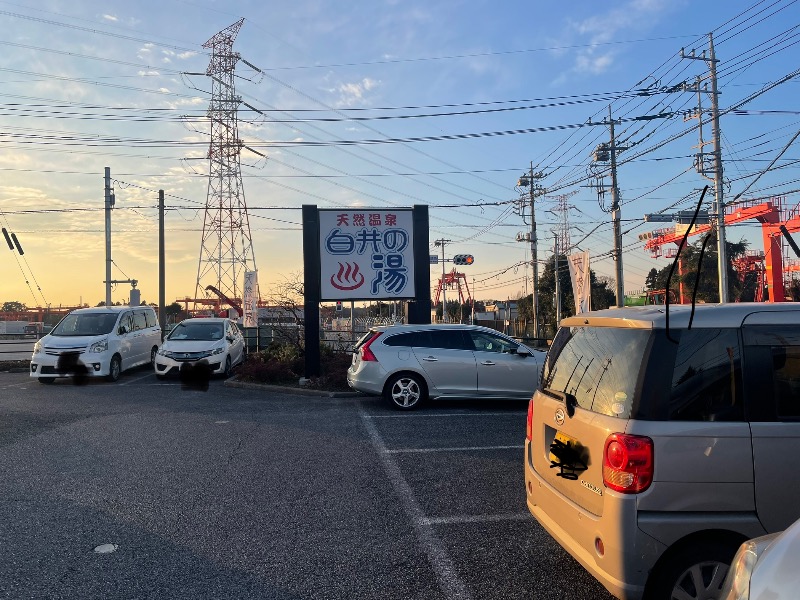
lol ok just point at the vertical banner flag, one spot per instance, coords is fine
(250, 299)
(366, 254)
(581, 287)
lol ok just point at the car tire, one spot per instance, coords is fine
(695, 572)
(114, 368)
(227, 372)
(46, 380)
(405, 391)
(153, 353)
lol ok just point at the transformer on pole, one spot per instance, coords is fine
(226, 250)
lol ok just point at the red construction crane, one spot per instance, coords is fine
(752, 262)
(453, 280)
(768, 214)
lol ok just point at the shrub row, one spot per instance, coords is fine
(283, 364)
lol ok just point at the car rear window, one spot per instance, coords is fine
(598, 367)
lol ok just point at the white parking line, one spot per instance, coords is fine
(477, 519)
(455, 414)
(449, 581)
(137, 379)
(460, 449)
(10, 385)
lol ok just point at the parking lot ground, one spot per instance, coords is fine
(236, 493)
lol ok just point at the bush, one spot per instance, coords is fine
(282, 364)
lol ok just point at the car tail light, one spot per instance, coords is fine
(366, 353)
(529, 428)
(628, 463)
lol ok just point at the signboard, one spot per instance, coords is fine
(366, 254)
(250, 299)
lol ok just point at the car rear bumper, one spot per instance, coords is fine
(367, 377)
(628, 554)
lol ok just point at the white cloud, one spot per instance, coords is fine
(352, 93)
(110, 18)
(630, 18)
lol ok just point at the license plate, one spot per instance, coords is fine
(568, 456)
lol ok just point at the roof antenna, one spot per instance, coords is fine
(675, 261)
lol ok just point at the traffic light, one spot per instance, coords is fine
(463, 259)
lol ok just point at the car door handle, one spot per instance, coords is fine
(430, 359)
(488, 363)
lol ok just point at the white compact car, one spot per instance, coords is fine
(100, 342)
(217, 341)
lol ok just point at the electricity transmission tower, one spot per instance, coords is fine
(226, 250)
(562, 230)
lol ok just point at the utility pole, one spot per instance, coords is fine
(162, 277)
(719, 202)
(558, 285)
(109, 202)
(443, 243)
(616, 215)
(608, 152)
(529, 180)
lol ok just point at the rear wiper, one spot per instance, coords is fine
(569, 400)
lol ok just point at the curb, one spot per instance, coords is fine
(246, 385)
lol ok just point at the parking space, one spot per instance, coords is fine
(457, 468)
(275, 495)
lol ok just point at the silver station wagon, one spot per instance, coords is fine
(409, 363)
(654, 448)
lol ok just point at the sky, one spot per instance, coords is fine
(492, 88)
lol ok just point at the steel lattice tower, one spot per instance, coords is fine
(564, 243)
(226, 251)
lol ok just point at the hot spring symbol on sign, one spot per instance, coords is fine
(348, 278)
(366, 254)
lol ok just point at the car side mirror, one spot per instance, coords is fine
(522, 352)
(229, 338)
(123, 329)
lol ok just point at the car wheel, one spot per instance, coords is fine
(115, 368)
(153, 352)
(227, 372)
(46, 380)
(695, 573)
(405, 391)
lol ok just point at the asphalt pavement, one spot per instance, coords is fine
(242, 493)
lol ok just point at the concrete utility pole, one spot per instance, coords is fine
(109, 202)
(162, 309)
(616, 215)
(558, 285)
(719, 202)
(529, 180)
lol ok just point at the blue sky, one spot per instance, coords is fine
(93, 84)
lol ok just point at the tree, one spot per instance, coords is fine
(602, 292)
(14, 306)
(651, 281)
(708, 283)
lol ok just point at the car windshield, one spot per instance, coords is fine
(597, 366)
(93, 323)
(196, 331)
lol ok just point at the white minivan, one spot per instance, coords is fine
(104, 340)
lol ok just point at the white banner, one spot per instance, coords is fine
(366, 254)
(250, 299)
(581, 286)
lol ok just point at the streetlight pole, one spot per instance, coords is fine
(442, 243)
